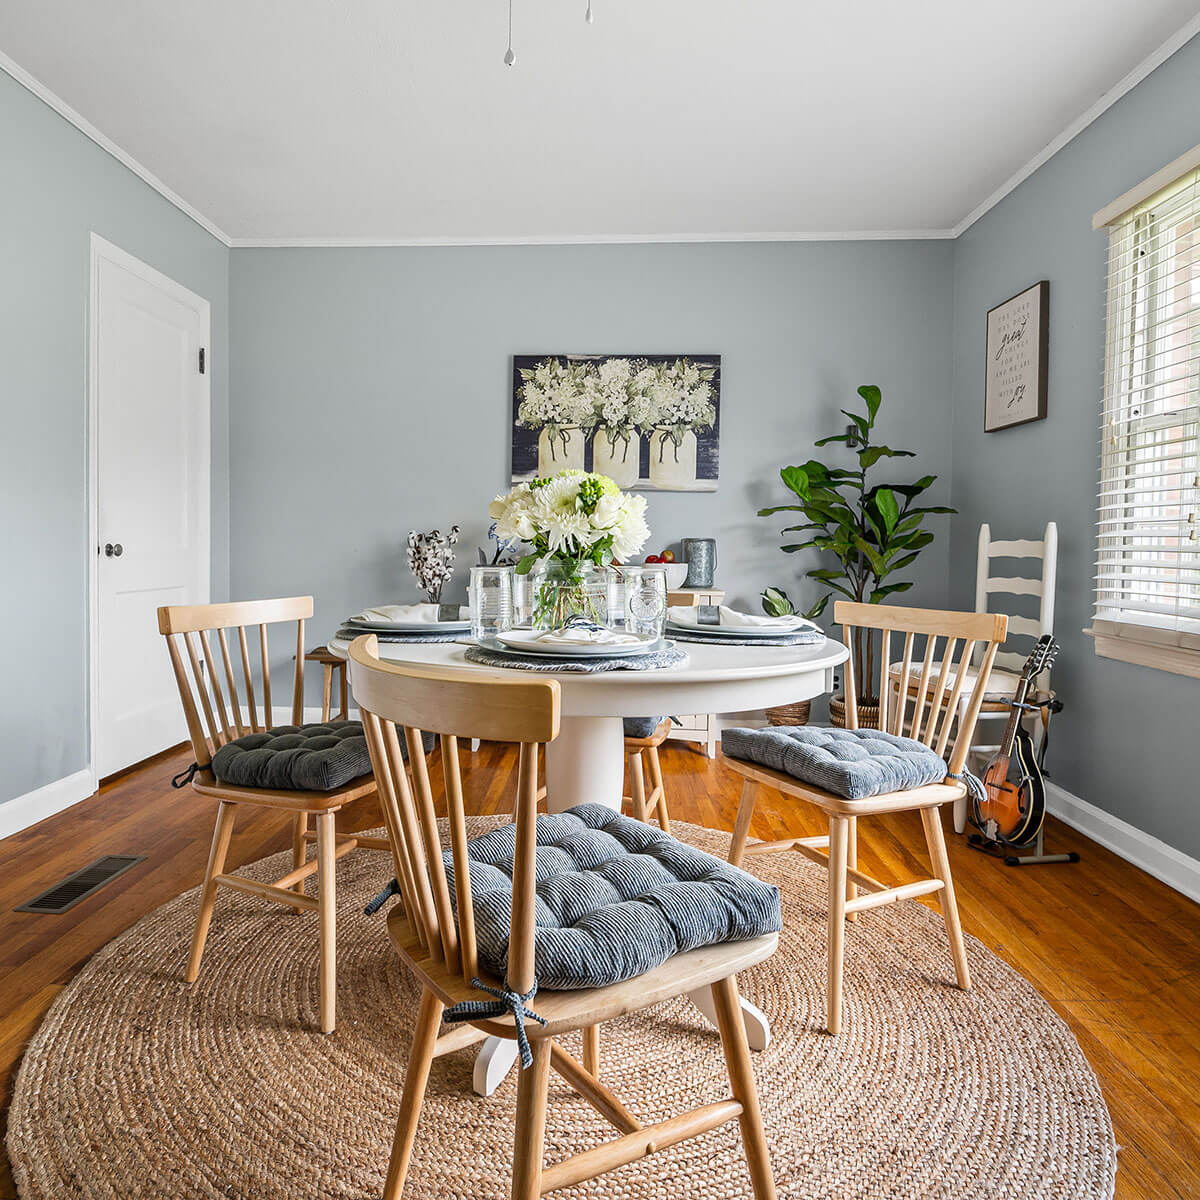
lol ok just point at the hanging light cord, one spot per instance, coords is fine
(588, 16)
(509, 56)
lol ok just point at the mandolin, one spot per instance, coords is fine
(1014, 803)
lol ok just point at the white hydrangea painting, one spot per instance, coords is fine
(650, 421)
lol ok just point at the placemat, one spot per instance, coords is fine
(806, 637)
(660, 659)
(348, 633)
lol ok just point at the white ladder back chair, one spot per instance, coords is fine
(1036, 576)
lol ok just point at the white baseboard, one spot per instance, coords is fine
(22, 811)
(1173, 867)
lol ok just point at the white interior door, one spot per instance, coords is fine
(150, 447)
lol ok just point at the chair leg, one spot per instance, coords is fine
(741, 827)
(529, 1143)
(327, 910)
(637, 785)
(657, 788)
(931, 818)
(741, 1078)
(591, 1049)
(299, 850)
(852, 862)
(838, 839)
(416, 1076)
(208, 896)
(326, 689)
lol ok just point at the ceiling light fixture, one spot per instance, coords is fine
(509, 57)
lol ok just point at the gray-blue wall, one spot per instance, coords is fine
(1127, 740)
(56, 188)
(371, 390)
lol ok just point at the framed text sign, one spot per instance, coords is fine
(1018, 333)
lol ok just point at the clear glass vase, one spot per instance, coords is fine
(564, 588)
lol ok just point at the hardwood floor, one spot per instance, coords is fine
(1114, 951)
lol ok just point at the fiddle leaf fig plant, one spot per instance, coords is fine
(872, 529)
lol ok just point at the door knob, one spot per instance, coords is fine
(113, 550)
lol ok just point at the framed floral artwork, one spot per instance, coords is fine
(1018, 339)
(650, 421)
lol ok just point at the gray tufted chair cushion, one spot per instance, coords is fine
(854, 763)
(615, 898)
(301, 758)
(641, 727)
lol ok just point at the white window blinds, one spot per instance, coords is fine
(1148, 559)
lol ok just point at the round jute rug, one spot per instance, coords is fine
(138, 1086)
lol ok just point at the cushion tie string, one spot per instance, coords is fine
(507, 1001)
(185, 777)
(972, 783)
(390, 889)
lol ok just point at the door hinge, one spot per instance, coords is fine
(201, 360)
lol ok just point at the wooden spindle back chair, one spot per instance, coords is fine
(217, 711)
(935, 721)
(400, 701)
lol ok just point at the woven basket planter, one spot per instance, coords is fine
(789, 714)
(868, 714)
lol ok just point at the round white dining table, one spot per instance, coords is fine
(586, 762)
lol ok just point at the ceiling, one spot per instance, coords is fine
(398, 122)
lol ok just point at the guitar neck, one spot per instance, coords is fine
(1014, 716)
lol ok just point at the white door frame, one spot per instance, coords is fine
(105, 250)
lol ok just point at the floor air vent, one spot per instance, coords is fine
(70, 891)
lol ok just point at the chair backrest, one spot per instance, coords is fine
(989, 585)
(186, 628)
(407, 699)
(935, 702)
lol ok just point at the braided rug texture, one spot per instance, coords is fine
(138, 1086)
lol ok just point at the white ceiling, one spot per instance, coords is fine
(391, 120)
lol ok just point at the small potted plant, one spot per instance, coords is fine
(431, 560)
(872, 529)
(777, 603)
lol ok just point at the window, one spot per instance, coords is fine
(1148, 543)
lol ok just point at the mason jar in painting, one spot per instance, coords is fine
(617, 455)
(561, 450)
(673, 459)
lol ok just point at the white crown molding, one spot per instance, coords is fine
(1149, 64)
(23, 811)
(64, 110)
(594, 239)
(1176, 869)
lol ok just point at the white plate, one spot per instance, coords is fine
(736, 631)
(525, 641)
(410, 626)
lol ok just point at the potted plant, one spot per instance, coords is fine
(872, 529)
(777, 603)
(575, 523)
(431, 560)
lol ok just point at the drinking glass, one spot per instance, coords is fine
(645, 601)
(522, 596)
(491, 601)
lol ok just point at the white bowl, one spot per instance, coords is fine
(676, 574)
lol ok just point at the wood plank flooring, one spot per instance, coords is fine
(1114, 951)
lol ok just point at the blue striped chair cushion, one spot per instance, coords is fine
(615, 898)
(854, 763)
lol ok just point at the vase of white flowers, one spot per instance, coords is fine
(555, 401)
(431, 560)
(574, 524)
(679, 405)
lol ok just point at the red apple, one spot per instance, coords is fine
(653, 558)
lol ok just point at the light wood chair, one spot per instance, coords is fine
(394, 700)
(934, 711)
(1010, 658)
(642, 806)
(187, 629)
